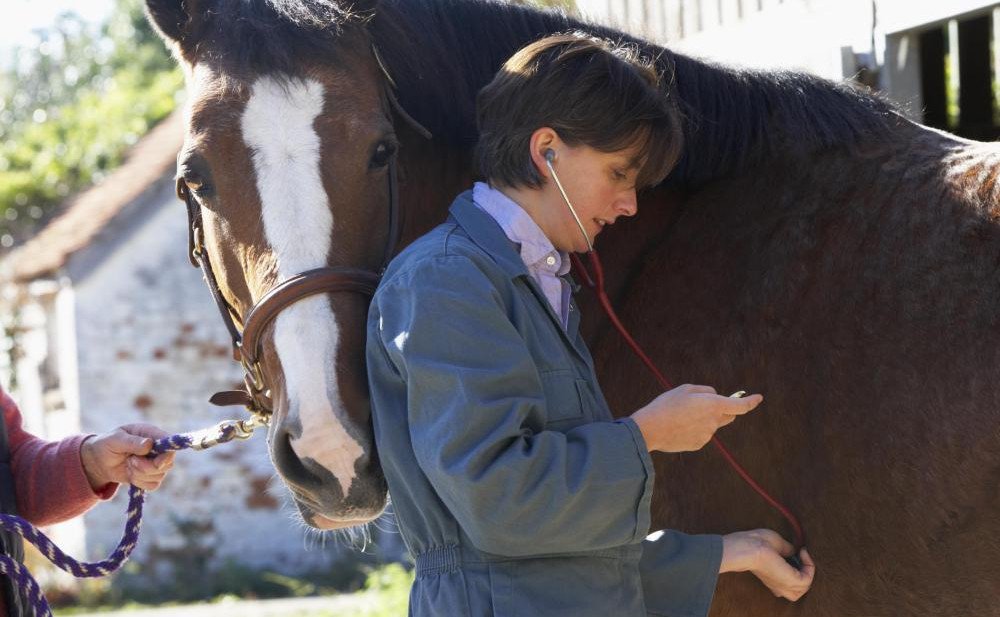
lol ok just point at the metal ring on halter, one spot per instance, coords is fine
(253, 373)
(198, 249)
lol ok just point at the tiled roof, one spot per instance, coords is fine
(87, 213)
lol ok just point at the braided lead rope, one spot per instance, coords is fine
(26, 583)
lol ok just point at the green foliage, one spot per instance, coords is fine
(385, 592)
(389, 589)
(72, 105)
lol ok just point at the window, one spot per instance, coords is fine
(959, 81)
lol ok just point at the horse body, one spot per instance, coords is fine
(812, 245)
(859, 295)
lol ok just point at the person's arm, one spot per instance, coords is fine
(472, 392)
(57, 481)
(49, 481)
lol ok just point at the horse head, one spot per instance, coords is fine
(288, 165)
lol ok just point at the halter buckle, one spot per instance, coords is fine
(252, 375)
(197, 248)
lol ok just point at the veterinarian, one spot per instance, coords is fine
(515, 489)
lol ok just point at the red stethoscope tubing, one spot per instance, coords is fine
(596, 283)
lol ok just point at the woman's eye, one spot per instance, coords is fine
(620, 175)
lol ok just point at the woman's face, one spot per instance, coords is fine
(601, 187)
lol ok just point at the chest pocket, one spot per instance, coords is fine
(563, 404)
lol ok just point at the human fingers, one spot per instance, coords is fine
(697, 389)
(808, 565)
(805, 577)
(738, 406)
(776, 541)
(142, 467)
(143, 474)
(145, 430)
(147, 484)
(783, 580)
(164, 461)
(120, 442)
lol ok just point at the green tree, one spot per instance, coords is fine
(71, 105)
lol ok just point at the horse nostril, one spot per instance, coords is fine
(287, 462)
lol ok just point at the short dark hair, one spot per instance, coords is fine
(592, 92)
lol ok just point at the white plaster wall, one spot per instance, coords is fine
(152, 348)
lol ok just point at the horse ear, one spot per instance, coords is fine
(173, 18)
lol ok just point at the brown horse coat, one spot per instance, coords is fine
(812, 245)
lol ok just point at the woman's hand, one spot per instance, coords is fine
(685, 418)
(763, 552)
(119, 456)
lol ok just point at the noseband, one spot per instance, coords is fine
(255, 395)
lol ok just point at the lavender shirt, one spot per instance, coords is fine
(545, 264)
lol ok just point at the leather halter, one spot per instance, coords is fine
(255, 395)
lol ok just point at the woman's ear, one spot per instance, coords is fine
(544, 144)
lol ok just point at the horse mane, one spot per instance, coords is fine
(441, 52)
(277, 37)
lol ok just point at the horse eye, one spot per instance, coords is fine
(384, 152)
(195, 182)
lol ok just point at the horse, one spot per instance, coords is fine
(811, 244)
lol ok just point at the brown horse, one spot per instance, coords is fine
(811, 245)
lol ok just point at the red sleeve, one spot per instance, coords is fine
(49, 481)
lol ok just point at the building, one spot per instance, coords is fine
(108, 324)
(939, 60)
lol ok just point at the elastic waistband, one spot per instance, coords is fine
(438, 561)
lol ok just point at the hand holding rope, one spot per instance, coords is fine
(223, 432)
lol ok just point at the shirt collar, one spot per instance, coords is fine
(534, 246)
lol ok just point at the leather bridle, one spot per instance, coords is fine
(247, 346)
(247, 349)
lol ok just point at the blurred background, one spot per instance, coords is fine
(104, 322)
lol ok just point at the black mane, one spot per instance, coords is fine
(441, 52)
(248, 38)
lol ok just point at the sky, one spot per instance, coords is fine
(23, 16)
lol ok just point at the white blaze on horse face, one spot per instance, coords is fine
(278, 127)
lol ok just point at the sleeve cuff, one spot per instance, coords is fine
(643, 517)
(679, 574)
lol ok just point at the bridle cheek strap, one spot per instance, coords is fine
(247, 336)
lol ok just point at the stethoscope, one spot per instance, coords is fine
(596, 282)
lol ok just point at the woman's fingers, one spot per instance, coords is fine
(146, 473)
(783, 580)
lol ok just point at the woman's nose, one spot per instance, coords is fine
(627, 204)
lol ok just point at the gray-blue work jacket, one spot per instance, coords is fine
(515, 490)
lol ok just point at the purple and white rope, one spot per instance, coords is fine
(26, 583)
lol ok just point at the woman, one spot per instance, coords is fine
(513, 486)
